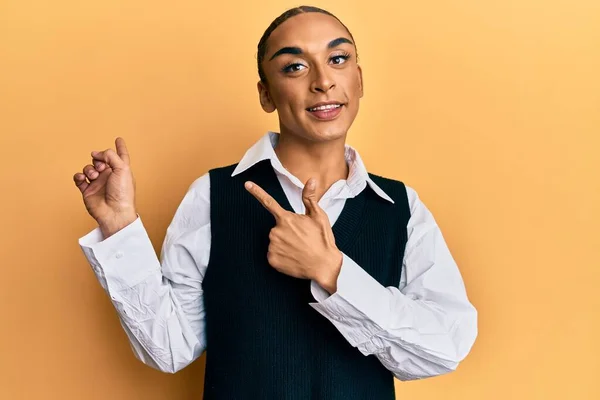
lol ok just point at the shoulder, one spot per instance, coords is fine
(398, 190)
(201, 185)
(226, 170)
(385, 181)
(392, 187)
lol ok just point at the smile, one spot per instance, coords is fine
(325, 112)
(326, 107)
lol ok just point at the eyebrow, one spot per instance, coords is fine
(298, 50)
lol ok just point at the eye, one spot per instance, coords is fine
(293, 67)
(340, 58)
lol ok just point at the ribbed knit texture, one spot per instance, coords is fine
(264, 340)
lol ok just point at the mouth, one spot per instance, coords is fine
(326, 111)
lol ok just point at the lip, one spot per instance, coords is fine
(325, 103)
(326, 115)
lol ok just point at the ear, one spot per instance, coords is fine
(360, 80)
(265, 98)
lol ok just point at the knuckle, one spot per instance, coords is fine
(274, 263)
(110, 153)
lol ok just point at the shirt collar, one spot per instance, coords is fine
(264, 149)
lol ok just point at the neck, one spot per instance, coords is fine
(323, 161)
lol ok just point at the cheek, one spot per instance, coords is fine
(354, 85)
(287, 98)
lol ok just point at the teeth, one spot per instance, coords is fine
(327, 107)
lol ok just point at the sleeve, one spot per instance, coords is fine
(422, 328)
(159, 302)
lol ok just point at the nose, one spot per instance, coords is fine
(322, 82)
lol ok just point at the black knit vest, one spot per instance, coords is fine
(264, 340)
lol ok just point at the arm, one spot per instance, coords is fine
(423, 328)
(159, 303)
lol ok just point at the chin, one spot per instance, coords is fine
(328, 130)
(320, 131)
(325, 134)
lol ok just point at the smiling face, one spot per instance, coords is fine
(313, 79)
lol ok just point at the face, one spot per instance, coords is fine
(313, 79)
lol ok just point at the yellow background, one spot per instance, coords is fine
(489, 109)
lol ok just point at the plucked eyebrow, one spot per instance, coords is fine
(298, 50)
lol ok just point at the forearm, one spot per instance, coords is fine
(159, 330)
(155, 317)
(412, 336)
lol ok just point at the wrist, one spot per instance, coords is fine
(330, 272)
(109, 228)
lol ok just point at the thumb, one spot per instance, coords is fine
(309, 198)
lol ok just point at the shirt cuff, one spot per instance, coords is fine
(123, 259)
(361, 306)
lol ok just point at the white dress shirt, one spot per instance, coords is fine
(424, 327)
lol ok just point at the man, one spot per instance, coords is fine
(323, 290)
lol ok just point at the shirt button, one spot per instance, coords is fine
(119, 254)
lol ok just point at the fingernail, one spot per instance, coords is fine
(248, 185)
(311, 184)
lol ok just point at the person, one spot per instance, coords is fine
(301, 274)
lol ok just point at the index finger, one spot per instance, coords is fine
(122, 149)
(265, 199)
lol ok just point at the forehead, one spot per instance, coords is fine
(310, 31)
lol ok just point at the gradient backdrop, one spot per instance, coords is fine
(489, 109)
